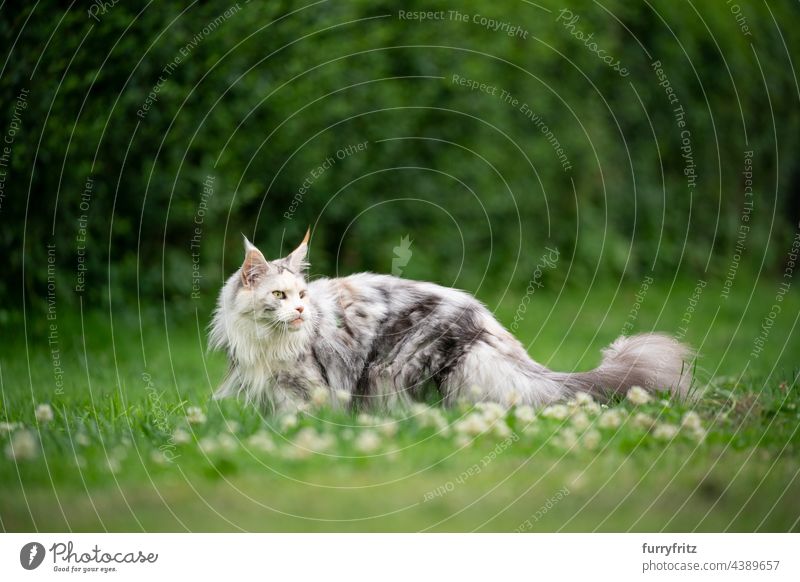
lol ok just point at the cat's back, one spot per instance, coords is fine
(373, 289)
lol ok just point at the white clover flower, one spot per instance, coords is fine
(566, 439)
(44, 413)
(8, 426)
(473, 424)
(513, 398)
(287, 421)
(590, 439)
(181, 436)
(227, 442)
(525, 414)
(665, 431)
(343, 397)
(638, 395)
(501, 429)
(309, 439)
(592, 408)
(261, 441)
(431, 417)
(195, 415)
(82, 439)
(580, 421)
(295, 452)
(388, 428)
(232, 426)
(113, 464)
(642, 420)
(583, 398)
(22, 446)
(692, 421)
(208, 445)
(474, 393)
(418, 408)
(492, 411)
(577, 482)
(440, 423)
(463, 441)
(556, 411)
(320, 397)
(698, 434)
(159, 458)
(367, 441)
(531, 429)
(610, 419)
(367, 419)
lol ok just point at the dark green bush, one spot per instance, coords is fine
(274, 90)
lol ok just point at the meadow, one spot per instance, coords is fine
(130, 440)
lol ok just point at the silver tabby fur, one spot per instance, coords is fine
(386, 340)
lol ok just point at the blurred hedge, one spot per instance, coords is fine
(272, 91)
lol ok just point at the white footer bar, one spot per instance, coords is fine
(401, 557)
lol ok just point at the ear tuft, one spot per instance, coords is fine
(254, 266)
(297, 259)
(248, 246)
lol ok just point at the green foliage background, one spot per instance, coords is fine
(278, 87)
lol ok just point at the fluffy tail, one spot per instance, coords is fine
(654, 361)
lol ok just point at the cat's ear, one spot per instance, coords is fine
(254, 266)
(297, 259)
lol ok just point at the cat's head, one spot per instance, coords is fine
(265, 299)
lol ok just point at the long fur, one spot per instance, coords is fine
(385, 341)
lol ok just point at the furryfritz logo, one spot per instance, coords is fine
(31, 555)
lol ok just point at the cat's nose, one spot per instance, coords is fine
(299, 308)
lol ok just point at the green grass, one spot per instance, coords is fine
(97, 464)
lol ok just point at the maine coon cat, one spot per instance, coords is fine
(385, 340)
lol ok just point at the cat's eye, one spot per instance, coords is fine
(279, 294)
(302, 294)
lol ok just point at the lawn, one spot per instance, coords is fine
(131, 441)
